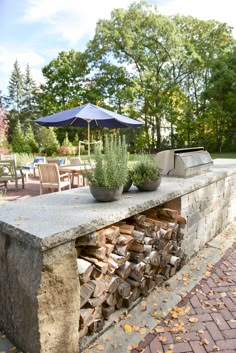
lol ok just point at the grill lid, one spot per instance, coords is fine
(185, 162)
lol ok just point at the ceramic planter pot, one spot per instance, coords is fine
(149, 185)
(127, 185)
(104, 194)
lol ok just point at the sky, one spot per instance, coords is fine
(35, 31)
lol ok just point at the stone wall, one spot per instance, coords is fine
(207, 211)
(39, 286)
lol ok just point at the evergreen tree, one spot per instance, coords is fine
(15, 88)
(47, 140)
(19, 143)
(34, 147)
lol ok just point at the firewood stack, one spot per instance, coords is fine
(125, 261)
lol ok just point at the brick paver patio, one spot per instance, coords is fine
(205, 320)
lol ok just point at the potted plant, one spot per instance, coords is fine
(146, 174)
(110, 174)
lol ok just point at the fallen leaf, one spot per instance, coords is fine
(193, 319)
(160, 329)
(134, 346)
(128, 328)
(100, 347)
(142, 331)
(162, 338)
(204, 342)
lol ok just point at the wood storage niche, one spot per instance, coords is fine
(119, 264)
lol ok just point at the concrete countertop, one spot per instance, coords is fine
(52, 219)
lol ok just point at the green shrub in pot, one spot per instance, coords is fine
(146, 173)
(111, 170)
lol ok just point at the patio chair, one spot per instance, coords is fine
(31, 167)
(9, 172)
(6, 157)
(80, 178)
(59, 161)
(50, 178)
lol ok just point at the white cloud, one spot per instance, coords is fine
(24, 57)
(71, 20)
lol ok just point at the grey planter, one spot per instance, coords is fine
(149, 185)
(104, 194)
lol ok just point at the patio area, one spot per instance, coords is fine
(12, 194)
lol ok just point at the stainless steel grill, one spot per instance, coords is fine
(184, 162)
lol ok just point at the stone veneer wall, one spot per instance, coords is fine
(207, 211)
(39, 286)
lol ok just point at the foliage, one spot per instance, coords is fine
(146, 169)
(24, 158)
(64, 151)
(47, 140)
(30, 138)
(19, 143)
(111, 169)
(4, 125)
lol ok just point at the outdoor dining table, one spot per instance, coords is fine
(76, 170)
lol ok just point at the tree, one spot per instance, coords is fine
(19, 143)
(15, 88)
(4, 125)
(47, 140)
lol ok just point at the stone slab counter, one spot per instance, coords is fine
(39, 286)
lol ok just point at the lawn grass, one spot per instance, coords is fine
(223, 155)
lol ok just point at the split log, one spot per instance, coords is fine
(99, 253)
(96, 326)
(96, 273)
(137, 271)
(111, 299)
(133, 283)
(124, 239)
(107, 311)
(160, 223)
(86, 316)
(174, 260)
(93, 239)
(111, 233)
(120, 260)
(136, 246)
(100, 287)
(166, 233)
(119, 303)
(128, 301)
(98, 312)
(101, 265)
(121, 250)
(138, 235)
(96, 302)
(109, 248)
(139, 218)
(149, 241)
(136, 257)
(124, 270)
(112, 283)
(154, 258)
(112, 265)
(147, 249)
(124, 289)
(126, 228)
(85, 269)
(86, 291)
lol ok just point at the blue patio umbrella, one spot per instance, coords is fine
(89, 115)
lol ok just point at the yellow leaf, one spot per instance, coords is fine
(204, 341)
(193, 319)
(108, 338)
(100, 347)
(160, 329)
(13, 348)
(207, 274)
(142, 331)
(135, 345)
(169, 351)
(128, 328)
(163, 338)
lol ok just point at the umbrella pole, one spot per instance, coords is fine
(89, 138)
